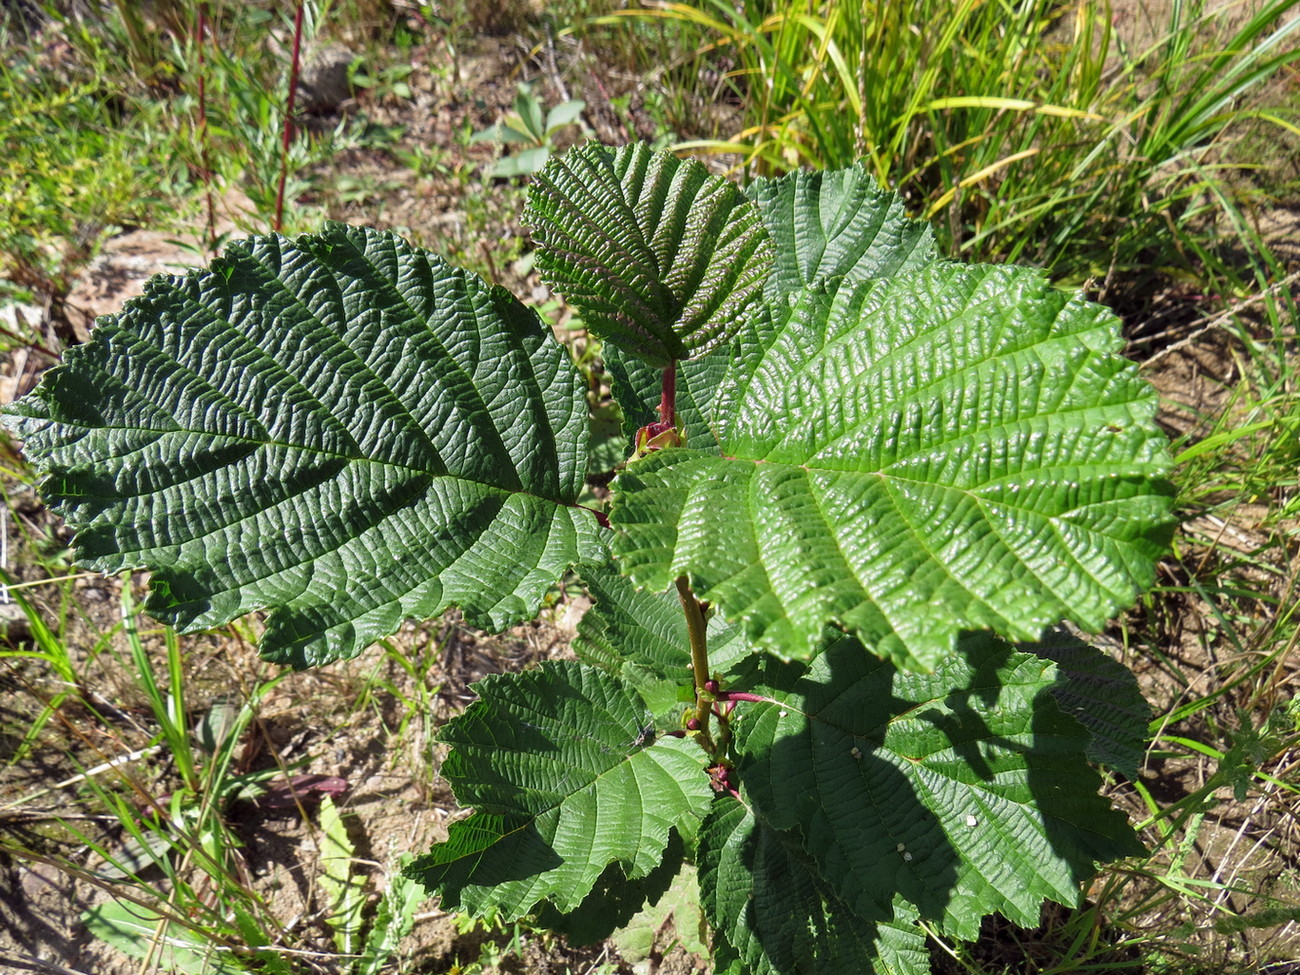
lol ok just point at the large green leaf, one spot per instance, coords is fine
(958, 448)
(966, 791)
(773, 914)
(342, 428)
(839, 224)
(568, 776)
(660, 257)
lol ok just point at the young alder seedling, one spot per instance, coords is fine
(864, 487)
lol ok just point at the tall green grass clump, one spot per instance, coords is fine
(1030, 129)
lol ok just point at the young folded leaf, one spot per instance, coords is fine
(824, 227)
(840, 224)
(658, 255)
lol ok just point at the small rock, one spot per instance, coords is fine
(325, 82)
(14, 625)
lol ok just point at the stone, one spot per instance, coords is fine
(325, 81)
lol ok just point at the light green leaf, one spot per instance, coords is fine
(530, 112)
(659, 256)
(522, 163)
(568, 776)
(773, 914)
(564, 114)
(394, 918)
(966, 791)
(343, 429)
(140, 932)
(502, 133)
(958, 448)
(839, 224)
(674, 918)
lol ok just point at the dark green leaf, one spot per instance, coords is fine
(1102, 695)
(615, 899)
(966, 791)
(659, 256)
(568, 776)
(773, 914)
(343, 429)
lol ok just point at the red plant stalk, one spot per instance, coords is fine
(204, 157)
(668, 397)
(287, 139)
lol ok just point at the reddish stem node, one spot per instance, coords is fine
(601, 518)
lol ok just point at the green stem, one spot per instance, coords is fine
(697, 631)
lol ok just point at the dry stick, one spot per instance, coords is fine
(1215, 321)
(288, 116)
(563, 90)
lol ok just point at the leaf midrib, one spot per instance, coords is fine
(275, 280)
(318, 451)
